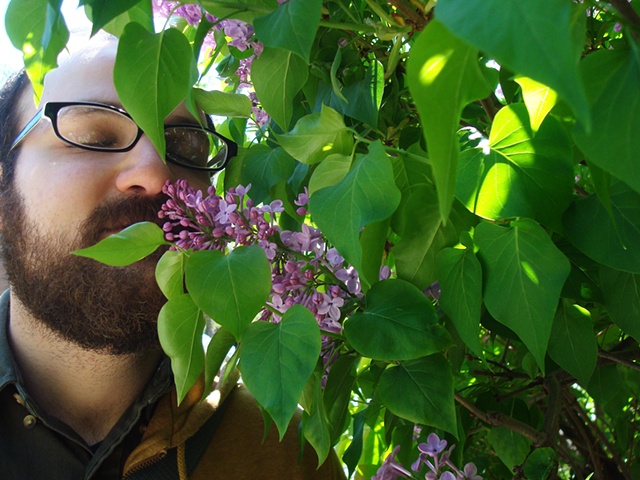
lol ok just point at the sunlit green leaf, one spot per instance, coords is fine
(278, 75)
(38, 29)
(621, 293)
(443, 76)
(511, 447)
(180, 327)
(421, 391)
(572, 344)
(611, 78)
(460, 277)
(367, 194)
(522, 175)
(611, 242)
(399, 323)
(153, 73)
(224, 104)
(523, 37)
(316, 136)
(524, 273)
(538, 98)
(128, 246)
(292, 26)
(277, 360)
(170, 273)
(329, 172)
(232, 288)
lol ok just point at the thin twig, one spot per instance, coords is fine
(409, 12)
(497, 419)
(617, 359)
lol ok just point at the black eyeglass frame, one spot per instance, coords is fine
(51, 109)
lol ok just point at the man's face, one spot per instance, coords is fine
(63, 198)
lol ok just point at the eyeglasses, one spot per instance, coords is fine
(104, 128)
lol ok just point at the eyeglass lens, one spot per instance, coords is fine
(102, 128)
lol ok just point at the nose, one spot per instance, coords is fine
(142, 171)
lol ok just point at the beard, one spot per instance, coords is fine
(95, 306)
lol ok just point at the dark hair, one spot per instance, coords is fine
(10, 96)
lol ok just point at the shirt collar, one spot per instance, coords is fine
(8, 372)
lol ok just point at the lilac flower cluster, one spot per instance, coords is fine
(433, 455)
(305, 270)
(240, 35)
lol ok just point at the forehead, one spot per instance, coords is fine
(86, 75)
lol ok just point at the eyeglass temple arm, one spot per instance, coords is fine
(28, 127)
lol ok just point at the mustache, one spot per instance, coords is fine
(119, 214)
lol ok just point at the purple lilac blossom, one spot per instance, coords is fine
(391, 469)
(302, 264)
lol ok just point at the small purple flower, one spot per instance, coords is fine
(447, 476)
(434, 445)
(470, 471)
(391, 469)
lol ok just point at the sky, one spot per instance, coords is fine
(10, 57)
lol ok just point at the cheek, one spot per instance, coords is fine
(58, 195)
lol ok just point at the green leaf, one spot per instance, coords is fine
(522, 37)
(608, 388)
(316, 136)
(180, 328)
(217, 351)
(361, 99)
(128, 246)
(265, 167)
(367, 194)
(443, 77)
(292, 26)
(524, 273)
(224, 104)
(232, 288)
(424, 235)
(245, 10)
(277, 360)
(421, 391)
(315, 426)
(611, 78)
(38, 29)
(460, 277)
(329, 172)
(337, 393)
(104, 12)
(398, 323)
(170, 273)
(141, 13)
(511, 447)
(153, 74)
(540, 464)
(611, 242)
(538, 98)
(573, 345)
(621, 292)
(278, 75)
(522, 175)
